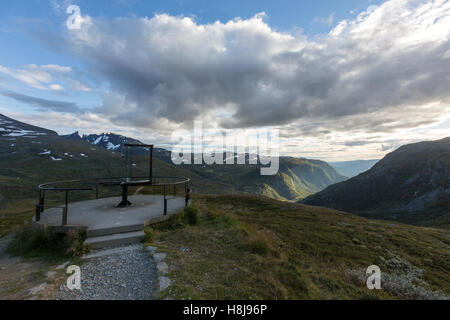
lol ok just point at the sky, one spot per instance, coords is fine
(340, 80)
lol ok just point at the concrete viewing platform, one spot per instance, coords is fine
(108, 225)
(102, 213)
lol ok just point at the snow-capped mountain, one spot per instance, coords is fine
(115, 142)
(108, 141)
(13, 128)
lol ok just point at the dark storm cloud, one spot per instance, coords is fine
(43, 104)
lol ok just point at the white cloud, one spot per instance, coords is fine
(365, 73)
(31, 75)
(379, 78)
(55, 87)
(56, 68)
(40, 77)
(326, 21)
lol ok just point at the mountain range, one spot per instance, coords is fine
(296, 179)
(411, 184)
(31, 155)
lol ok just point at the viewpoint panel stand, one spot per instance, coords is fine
(133, 175)
(127, 155)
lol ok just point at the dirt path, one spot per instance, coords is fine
(26, 278)
(121, 273)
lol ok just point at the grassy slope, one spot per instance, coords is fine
(249, 247)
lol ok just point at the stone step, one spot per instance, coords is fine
(115, 240)
(110, 251)
(98, 232)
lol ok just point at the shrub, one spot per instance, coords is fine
(174, 222)
(150, 234)
(30, 241)
(191, 215)
(259, 247)
(211, 215)
(401, 285)
(74, 243)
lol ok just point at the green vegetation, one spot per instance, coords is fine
(31, 242)
(251, 247)
(15, 215)
(192, 215)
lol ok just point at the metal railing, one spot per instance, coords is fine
(88, 185)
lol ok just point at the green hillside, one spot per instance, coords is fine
(250, 247)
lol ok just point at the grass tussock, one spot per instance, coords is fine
(29, 241)
(187, 217)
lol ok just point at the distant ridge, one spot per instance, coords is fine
(411, 184)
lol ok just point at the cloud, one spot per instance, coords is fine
(56, 68)
(31, 75)
(382, 71)
(43, 104)
(55, 87)
(41, 77)
(326, 21)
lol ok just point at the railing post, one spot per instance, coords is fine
(96, 190)
(64, 216)
(165, 206)
(65, 209)
(187, 195)
(151, 165)
(38, 212)
(41, 200)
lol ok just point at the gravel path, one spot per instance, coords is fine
(126, 273)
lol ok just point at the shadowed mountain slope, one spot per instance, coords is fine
(411, 184)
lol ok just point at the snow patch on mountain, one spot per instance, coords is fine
(111, 146)
(13, 128)
(98, 140)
